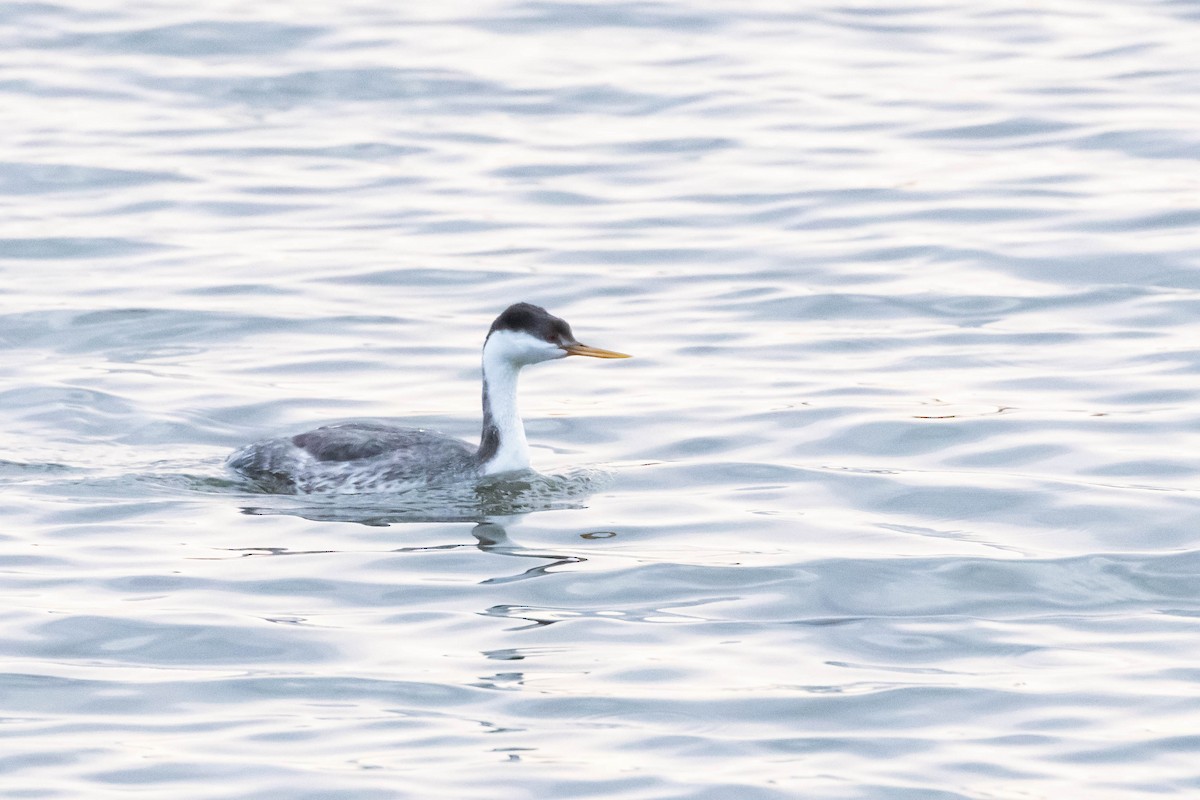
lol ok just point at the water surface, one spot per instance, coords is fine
(897, 500)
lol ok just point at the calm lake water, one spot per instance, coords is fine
(900, 497)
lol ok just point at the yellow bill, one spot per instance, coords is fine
(595, 352)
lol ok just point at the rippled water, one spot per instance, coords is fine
(897, 500)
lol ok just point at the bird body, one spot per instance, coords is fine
(355, 457)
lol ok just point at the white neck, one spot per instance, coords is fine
(508, 451)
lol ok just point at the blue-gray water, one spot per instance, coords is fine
(899, 498)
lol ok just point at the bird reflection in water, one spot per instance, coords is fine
(488, 506)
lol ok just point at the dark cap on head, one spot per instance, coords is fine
(534, 320)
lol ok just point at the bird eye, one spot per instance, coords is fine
(562, 332)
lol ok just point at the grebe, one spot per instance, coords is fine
(371, 457)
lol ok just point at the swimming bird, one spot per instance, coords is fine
(371, 457)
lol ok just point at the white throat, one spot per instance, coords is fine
(501, 418)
